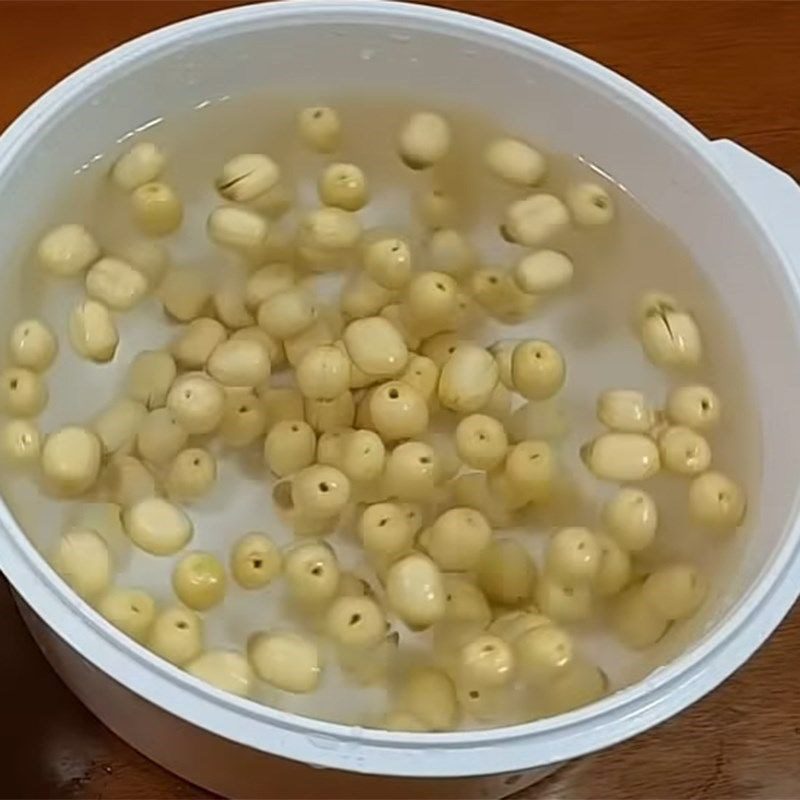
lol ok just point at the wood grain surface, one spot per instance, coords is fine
(731, 69)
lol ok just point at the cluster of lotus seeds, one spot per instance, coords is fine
(350, 442)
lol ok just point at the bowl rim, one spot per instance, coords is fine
(627, 712)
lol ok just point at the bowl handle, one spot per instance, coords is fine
(773, 195)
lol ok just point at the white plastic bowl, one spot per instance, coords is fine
(737, 214)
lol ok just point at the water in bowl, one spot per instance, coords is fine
(591, 324)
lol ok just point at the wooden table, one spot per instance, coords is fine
(730, 68)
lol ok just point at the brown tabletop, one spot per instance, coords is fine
(731, 69)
